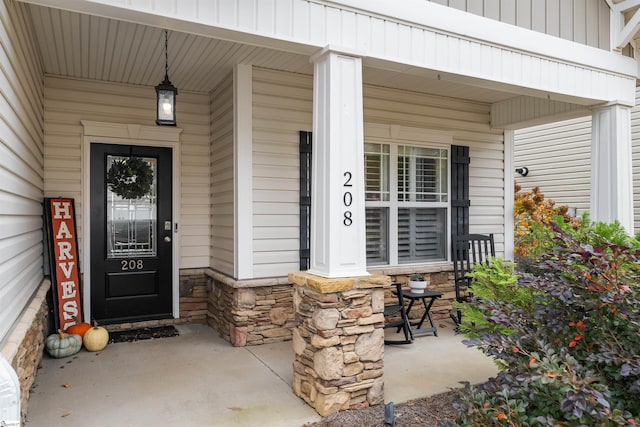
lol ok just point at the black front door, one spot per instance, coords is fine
(131, 233)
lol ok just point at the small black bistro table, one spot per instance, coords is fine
(428, 298)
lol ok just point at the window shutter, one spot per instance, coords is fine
(305, 200)
(459, 189)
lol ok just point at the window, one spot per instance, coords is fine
(407, 199)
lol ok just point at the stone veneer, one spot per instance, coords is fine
(259, 311)
(440, 279)
(24, 345)
(251, 312)
(339, 341)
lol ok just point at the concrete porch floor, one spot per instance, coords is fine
(198, 379)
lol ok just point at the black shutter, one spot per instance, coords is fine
(305, 200)
(459, 190)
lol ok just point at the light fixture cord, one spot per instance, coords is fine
(166, 54)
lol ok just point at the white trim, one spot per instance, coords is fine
(394, 34)
(128, 134)
(243, 169)
(621, 32)
(526, 111)
(611, 166)
(470, 26)
(509, 203)
(394, 136)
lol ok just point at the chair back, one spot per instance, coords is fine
(468, 250)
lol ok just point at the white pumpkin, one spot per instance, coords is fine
(96, 338)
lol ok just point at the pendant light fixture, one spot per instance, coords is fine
(166, 93)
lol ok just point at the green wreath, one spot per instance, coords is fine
(130, 178)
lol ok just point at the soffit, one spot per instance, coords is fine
(91, 47)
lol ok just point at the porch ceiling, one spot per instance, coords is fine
(92, 47)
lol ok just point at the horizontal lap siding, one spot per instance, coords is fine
(468, 123)
(558, 156)
(222, 222)
(635, 146)
(69, 101)
(283, 106)
(21, 164)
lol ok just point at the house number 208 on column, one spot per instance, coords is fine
(347, 199)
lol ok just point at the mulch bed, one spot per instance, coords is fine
(424, 412)
(143, 334)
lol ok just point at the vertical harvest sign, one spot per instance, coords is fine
(63, 250)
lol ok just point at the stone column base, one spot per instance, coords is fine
(338, 341)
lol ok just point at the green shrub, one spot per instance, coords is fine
(598, 233)
(493, 281)
(572, 358)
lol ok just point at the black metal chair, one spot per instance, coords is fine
(468, 250)
(403, 322)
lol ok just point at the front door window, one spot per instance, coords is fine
(131, 230)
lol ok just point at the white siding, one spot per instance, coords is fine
(582, 21)
(68, 101)
(635, 146)
(222, 221)
(558, 156)
(405, 36)
(21, 159)
(468, 123)
(283, 107)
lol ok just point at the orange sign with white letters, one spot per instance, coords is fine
(64, 259)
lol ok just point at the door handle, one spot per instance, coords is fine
(167, 239)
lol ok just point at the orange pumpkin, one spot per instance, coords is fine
(79, 328)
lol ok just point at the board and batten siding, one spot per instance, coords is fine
(222, 200)
(21, 164)
(283, 106)
(582, 21)
(558, 156)
(68, 101)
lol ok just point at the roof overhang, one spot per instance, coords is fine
(435, 46)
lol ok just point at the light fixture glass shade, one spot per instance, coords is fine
(166, 103)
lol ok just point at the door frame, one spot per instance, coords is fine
(128, 134)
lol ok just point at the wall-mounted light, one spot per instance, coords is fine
(166, 93)
(524, 171)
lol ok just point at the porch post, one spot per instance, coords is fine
(611, 171)
(337, 182)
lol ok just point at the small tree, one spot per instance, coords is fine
(532, 212)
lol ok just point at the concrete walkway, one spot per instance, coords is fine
(198, 379)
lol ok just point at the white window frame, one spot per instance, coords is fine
(416, 138)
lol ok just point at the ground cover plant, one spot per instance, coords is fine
(566, 337)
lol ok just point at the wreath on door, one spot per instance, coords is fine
(130, 178)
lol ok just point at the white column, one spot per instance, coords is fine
(611, 171)
(338, 246)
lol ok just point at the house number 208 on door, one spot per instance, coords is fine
(131, 264)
